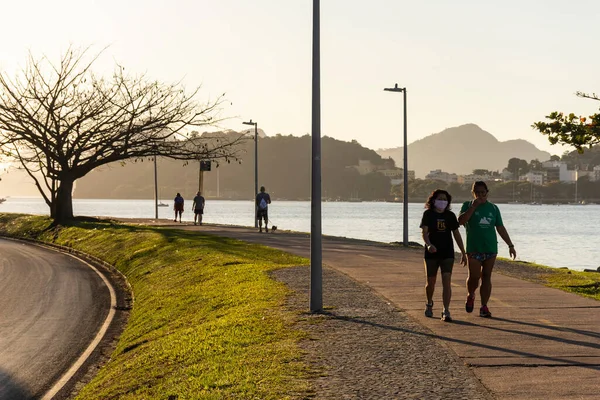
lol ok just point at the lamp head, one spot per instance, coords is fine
(395, 89)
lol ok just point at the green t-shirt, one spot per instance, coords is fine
(481, 228)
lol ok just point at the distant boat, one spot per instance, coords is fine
(2, 200)
(161, 204)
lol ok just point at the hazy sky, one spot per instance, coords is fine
(501, 65)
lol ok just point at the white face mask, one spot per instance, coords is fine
(440, 204)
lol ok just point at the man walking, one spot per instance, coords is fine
(198, 207)
(262, 206)
(178, 206)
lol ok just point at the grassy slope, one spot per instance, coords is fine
(585, 284)
(207, 321)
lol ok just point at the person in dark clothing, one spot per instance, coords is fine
(438, 225)
(198, 207)
(262, 207)
(178, 206)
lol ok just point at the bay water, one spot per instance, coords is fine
(557, 236)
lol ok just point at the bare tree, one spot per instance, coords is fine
(62, 121)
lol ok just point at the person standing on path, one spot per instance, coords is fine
(198, 207)
(438, 225)
(262, 207)
(178, 206)
(482, 219)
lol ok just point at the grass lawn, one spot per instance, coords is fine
(208, 322)
(585, 284)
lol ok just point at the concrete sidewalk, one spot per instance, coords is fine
(542, 343)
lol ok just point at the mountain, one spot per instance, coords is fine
(461, 150)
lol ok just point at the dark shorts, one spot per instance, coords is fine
(178, 207)
(481, 257)
(199, 211)
(433, 264)
(262, 214)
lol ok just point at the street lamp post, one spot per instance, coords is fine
(255, 166)
(316, 245)
(155, 189)
(405, 201)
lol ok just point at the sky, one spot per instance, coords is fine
(500, 65)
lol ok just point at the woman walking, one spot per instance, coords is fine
(482, 219)
(438, 225)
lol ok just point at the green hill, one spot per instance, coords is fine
(284, 164)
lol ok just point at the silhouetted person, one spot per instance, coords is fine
(262, 207)
(178, 206)
(198, 207)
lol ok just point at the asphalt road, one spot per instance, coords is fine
(52, 307)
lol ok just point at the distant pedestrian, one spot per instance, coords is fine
(178, 207)
(438, 225)
(262, 208)
(198, 207)
(482, 219)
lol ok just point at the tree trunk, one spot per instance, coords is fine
(62, 208)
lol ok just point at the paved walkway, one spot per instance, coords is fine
(541, 344)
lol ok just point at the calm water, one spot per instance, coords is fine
(559, 236)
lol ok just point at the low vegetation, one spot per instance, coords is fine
(585, 284)
(207, 322)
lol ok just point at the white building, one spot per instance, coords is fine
(535, 177)
(365, 167)
(595, 175)
(471, 178)
(442, 176)
(564, 174)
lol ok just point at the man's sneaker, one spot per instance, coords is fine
(429, 310)
(266, 229)
(446, 316)
(470, 303)
(485, 312)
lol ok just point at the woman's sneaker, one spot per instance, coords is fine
(446, 316)
(470, 303)
(485, 312)
(429, 310)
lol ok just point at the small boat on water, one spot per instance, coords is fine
(2, 200)
(161, 204)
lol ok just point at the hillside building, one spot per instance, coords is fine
(440, 175)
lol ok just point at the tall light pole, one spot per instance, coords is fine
(405, 201)
(155, 189)
(255, 166)
(316, 249)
